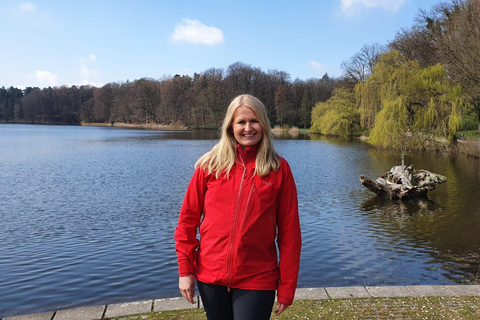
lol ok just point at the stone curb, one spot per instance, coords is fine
(141, 307)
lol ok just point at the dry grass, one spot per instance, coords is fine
(279, 129)
(285, 131)
(370, 308)
(151, 126)
(469, 147)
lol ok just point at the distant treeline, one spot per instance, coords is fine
(198, 101)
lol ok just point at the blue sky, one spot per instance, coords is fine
(54, 43)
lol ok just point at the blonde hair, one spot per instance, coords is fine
(222, 156)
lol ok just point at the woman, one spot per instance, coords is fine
(243, 201)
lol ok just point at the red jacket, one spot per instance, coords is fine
(239, 219)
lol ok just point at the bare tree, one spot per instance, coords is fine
(360, 65)
(416, 44)
(456, 31)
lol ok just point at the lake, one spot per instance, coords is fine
(88, 215)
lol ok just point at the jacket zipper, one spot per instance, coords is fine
(232, 240)
(252, 191)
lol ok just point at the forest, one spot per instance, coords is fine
(199, 101)
(424, 84)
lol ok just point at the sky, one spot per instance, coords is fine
(94, 42)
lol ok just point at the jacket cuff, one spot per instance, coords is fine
(284, 300)
(186, 270)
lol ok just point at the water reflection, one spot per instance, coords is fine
(398, 207)
(428, 224)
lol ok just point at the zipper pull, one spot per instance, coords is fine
(228, 288)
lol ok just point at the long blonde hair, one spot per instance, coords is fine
(222, 156)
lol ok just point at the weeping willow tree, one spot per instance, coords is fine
(337, 116)
(410, 106)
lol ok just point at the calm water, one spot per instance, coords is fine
(88, 216)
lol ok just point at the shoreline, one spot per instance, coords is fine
(151, 126)
(469, 147)
(321, 293)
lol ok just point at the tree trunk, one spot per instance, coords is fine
(404, 183)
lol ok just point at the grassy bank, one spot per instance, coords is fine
(367, 308)
(469, 147)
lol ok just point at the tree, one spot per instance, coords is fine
(417, 105)
(337, 116)
(448, 34)
(360, 65)
(104, 98)
(173, 102)
(9, 98)
(86, 110)
(416, 44)
(283, 104)
(459, 46)
(147, 99)
(214, 96)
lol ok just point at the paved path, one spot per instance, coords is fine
(139, 307)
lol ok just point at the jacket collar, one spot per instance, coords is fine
(247, 154)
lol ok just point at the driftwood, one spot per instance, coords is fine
(404, 183)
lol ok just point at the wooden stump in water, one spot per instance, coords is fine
(404, 183)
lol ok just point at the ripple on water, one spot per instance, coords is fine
(89, 214)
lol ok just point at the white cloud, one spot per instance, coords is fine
(27, 6)
(45, 77)
(317, 66)
(196, 32)
(351, 7)
(89, 75)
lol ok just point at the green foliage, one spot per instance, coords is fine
(469, 119)
(409, 104)
(469, 134)
(337, 116)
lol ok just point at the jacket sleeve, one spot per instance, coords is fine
(186, 241)
(289, 237)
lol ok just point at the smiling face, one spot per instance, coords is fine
(246, 127)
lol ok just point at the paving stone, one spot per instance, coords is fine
(465, 290)
(90, 313)
(347, 292)
(394, 291)
(36, 316)
(311, 294)
(430, 291)
(174, 304)
(127, 309)
(142, 307)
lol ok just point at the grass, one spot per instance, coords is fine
(360, 308)
(469, 134)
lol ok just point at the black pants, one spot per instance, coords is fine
(237, 304)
